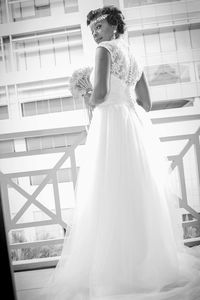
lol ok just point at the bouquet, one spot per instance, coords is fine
(79, 85)
(79, 82)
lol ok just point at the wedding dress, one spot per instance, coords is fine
(126, 241)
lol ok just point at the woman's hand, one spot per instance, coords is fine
(87, 96)
(85, 84)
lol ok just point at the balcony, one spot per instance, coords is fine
(43, 129)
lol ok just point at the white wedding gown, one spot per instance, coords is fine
(126, 241)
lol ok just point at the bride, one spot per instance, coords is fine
(126, 240)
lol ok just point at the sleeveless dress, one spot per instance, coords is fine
(126, 241)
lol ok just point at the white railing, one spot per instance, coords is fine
(55, 217)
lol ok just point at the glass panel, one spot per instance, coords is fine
(72, 138)
(131, 3)
(47, 56)
(42, 8)
(42, 107)
(70, 6)
(182, 40)
(61, 51)
(79, 103)
(167, 74)
(67, 104)
(64, 175)
(55, 105)
(4, 112)
(29, 9)
(28, 109)
(152, 43)
(47, 142)
(195, 34)
(6, 146)
(111, 2)
(167, 41)
(184, 72)
(3, 15)
(75, 48)
(59, 140)
(37, 179)
(33, 143)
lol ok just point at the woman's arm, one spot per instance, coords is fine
(142, 93)
(101, 76)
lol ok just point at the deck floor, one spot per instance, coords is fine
(29, 283)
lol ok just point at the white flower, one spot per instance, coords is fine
(80, 81)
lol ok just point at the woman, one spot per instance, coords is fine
(125, 242)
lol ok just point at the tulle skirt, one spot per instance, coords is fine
(126, 239)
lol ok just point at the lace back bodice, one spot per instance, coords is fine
(124, 64)
(125, 72)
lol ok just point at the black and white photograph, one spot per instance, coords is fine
(100, 149)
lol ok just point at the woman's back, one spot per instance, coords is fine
(125, 72)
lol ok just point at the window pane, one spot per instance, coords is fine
(75, 48)
(59, 140)
(183, 39)
(131, 3)
(33, 143)
(47, 142)
(55, 105)
(42, 107)
(70, 6)
(195, 34)
(167, 41)
(42, 8)
(64, 175)
(162, 74)
(28, 109)
(4, 112)
(67, 104)
(152, 43)
(72, 138)
(111, 2)
(6, 146)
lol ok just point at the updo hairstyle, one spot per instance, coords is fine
(115, 17)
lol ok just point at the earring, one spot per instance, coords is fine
(114, 34)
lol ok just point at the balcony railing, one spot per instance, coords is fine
(39, 202)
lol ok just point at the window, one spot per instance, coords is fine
(132, 3)
(169, 104)
(168, 74)
(50, 106)
(57, 48)
(52, 141)
(23, 10)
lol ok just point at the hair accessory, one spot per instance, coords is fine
(100, 18)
